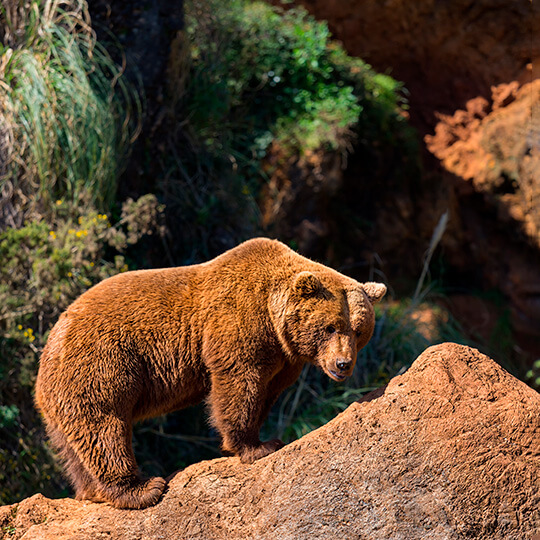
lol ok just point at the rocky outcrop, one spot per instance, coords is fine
(495, 149)
(450, 449)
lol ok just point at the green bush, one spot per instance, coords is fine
(261, 74)
(45, 266)
(250, 77)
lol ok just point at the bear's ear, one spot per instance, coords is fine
(374, 291)
(307, 284)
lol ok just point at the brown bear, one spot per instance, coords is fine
(236, 330)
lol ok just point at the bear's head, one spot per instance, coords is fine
(328, 318)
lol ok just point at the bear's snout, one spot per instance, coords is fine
(343, 364)
(342, 369)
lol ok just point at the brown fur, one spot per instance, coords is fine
(236, 330)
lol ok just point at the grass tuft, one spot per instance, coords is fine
(67, 113)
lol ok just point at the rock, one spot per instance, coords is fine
(450, 449)
(497, 150)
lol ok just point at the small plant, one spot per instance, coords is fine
(533, 375)
(45, 266)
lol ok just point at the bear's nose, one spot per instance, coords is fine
(343, 364)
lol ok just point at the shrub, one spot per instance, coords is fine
(533, 375)
(45, 266)
(269, 75)
(258, 75)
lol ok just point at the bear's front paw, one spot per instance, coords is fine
(252, 453)
(144, 494)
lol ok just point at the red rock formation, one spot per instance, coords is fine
(450, 449)
(497, 149)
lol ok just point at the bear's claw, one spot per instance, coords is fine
(141, 496)
(251, 454)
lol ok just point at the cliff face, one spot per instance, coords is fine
(448, 450)
(490, 151)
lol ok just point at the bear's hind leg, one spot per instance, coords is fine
(104, 450)
(84, 484)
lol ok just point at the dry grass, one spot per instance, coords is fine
(65, 108)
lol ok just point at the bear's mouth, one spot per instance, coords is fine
(336, 376)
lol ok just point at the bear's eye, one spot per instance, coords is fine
(330, 329)
(358, 333)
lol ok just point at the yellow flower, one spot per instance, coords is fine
(52, 234)
(71, 231)
(19, 326)
(59, 202)
(70, 274)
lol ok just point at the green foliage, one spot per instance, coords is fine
(259, 78)
(273, 78)
(260, 74)
(533, 375)
(26, 465)
(45, 266)
(64, 106)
